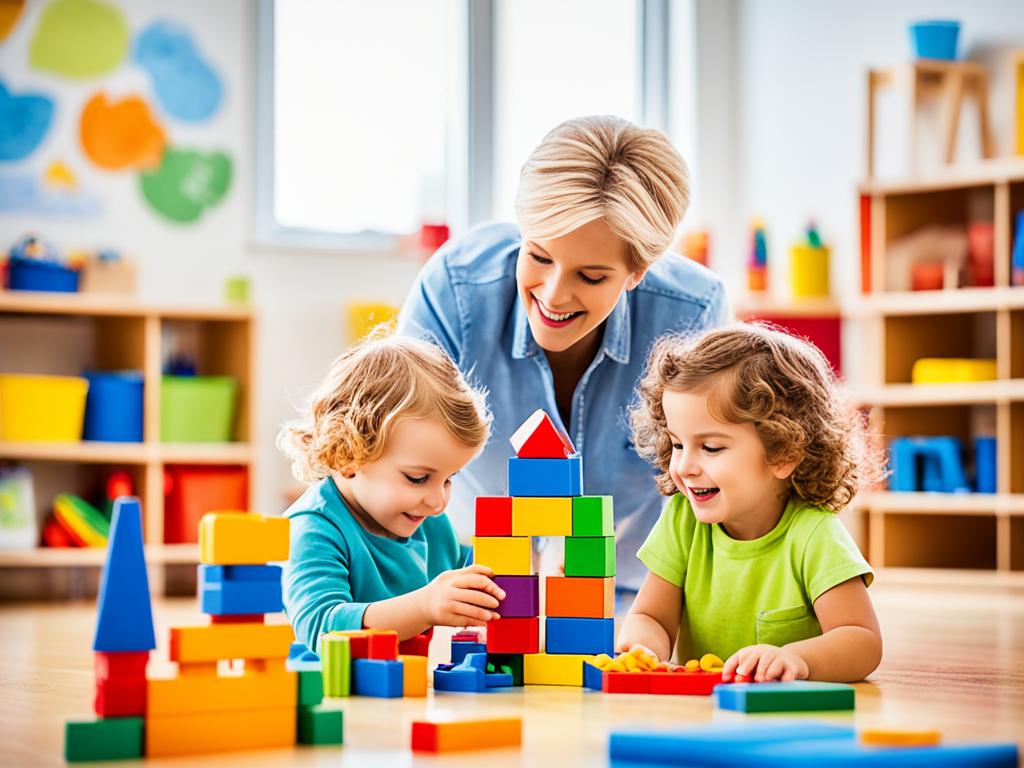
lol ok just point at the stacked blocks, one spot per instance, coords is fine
(366, 662)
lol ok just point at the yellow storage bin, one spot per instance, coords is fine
(809, 271)
(41, 408)
(950, 370)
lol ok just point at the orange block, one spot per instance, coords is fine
(230, 641)
(414, 675)
(220, 731)
(221, 693)
(449, 734)
(240, 538)
(890, 738)
(580, 597)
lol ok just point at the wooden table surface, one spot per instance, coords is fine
(954, 660)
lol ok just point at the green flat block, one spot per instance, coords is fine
(320, 725)
(589, 556)
(798, 696)
(509, 663)
(593, 516)
(336, 655)
(311, 687)
(111, 738)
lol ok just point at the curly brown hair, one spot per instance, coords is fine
(757, 374)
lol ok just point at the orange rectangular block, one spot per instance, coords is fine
(580, 597)
(414, 675)
(242, 538)
(221, 693)
(230, 641)
(169, 735)
(449, 734)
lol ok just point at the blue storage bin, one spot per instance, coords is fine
(934, 39)
(113, 407)
(39, 275)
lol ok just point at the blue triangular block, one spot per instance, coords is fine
(125, 620)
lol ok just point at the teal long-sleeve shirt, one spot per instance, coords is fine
(336, 567)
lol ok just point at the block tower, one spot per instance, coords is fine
(545, 482)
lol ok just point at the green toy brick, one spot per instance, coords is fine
(320, 725)
(593, 516)
(336, 655)
(111, 738)
(589, 556)
(797, 696)
(508, 663)
(311, 687)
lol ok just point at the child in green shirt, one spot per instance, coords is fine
(748, 559)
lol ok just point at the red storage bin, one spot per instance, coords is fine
(191, 492)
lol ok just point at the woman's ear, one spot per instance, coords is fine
(634, 279)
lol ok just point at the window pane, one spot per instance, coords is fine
(361, 114)
(554, 61)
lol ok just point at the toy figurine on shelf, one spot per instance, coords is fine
(757, 266)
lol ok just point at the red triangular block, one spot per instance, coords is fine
(539, 438)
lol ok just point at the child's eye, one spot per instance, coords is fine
(712, 449)
(416, 480)
(592, 280)
(540, 259)
(677, 446)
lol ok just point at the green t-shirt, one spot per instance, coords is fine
(739, 593)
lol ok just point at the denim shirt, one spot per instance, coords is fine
(465, 300)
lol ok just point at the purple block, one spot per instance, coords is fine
(521, 596)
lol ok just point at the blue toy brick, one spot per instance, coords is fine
(378, 678)
(299, 652)
(219, 574)
(545, 477)
(927, 464)
(469, 676)
(461, 649)
(985, 464)
(233, 589)
(591, 636)
(125, 614)
(592, 677)
(798, 696)
(850, 753)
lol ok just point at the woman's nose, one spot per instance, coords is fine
(556, 290)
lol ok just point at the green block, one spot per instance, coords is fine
(593, 516)
(311, 687)
(590, 556)
(336, 656)
(509, 663)
(320, 725)
(798, 696)
(111, 738)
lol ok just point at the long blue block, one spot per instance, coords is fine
(219, 574)
(125, 614)
(545, 477)
(590, 636)
(378, 678)
(850, 753)
(233, 589)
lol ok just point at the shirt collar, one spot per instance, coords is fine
(615, 343)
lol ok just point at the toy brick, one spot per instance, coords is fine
(230, 641)
(378, 678)
(440, 734)
(593, 516)
(593, 678)
(627, 682)
(381, 644)
(240, 589)
(522, 596)
(311, 686)
(539, 438)
(468, 635)
(118, 738)
(236, 618)
(797, 696)
(851, 753)
(469, 676)
(579, 597)
(299, 652)
(418, 645)
(545, 477)
(590, 556)
(513, 635)
(685, 683)
(541, 516)
(508, 663)
(120, 697)
(220, 731)
(414, 675)
(239, 538)
(120, 665)
(493, 516)
(885, 737)
(461, 649)
(198, 694)
(336, 657)
(220, 574)
(549, 669)
(505, 555)
(320, 725)
(587, 636)
(125, 616)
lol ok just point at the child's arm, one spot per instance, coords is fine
(653, 621)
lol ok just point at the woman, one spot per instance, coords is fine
(560, 312)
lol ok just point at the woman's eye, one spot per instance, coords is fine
(416, 480)
(540, 259)
(712, 449)
(593, 280)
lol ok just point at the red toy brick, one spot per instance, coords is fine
(382, 646)
(236, 618)
(539, 438)
(121, 665)
(416, 646)
(424, 737)
(493, 515)
(117, 697)
(627, 682)
(686, 683)
(513, 635)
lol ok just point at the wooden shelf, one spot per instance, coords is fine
(951, 302)
(45, 557)
(997, 504)
(972, 393)
(750, 305)
(100, 305)
(88, 452)
(999, 170)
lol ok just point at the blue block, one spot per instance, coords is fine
(299, 652)
(469, 676)
(850, 753)
(219, 574)
(234, 589)
(374, 677)
(592, 677)
(930, 464)
(985, 464)
(591, 636)
(461, 649)
(125, 614)
(545, 477)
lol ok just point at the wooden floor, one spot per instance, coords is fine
(954, 660)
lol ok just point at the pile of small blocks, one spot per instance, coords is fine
(367, 662)
(636, 671)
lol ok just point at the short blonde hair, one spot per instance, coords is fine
(605, 167)
(369, 390)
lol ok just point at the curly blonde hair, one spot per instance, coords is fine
(369, 390)
(756, 374)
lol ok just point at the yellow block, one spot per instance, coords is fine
(539, 516)
(808, 270)
(414, 675)
(220, 731)
(554, 669)
(221, 693)
(890, 738)
(505, 555)
(230, 641)
(950, 370)
(242, 538)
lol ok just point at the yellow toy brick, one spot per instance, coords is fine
(505, 555)
(539, 516)
(242, 538)
(230, 641)
(169, 735)
(221, 693)
(884, 737)
(553, 669)
(414, 675)
(951, 370)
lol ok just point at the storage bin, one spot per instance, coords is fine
(197, 409)
(191, 492)
(113, 409)
(41, 408)
(935, 39)
(39, 275)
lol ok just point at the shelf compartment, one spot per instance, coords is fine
(1016, 452)
(940, 541)
(1016, 346)
(1017, 544)
(911, 337)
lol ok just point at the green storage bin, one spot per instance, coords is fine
(197, 409)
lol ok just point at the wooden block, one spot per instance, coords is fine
(798, 696)
(116, 738)
(593, 516)
(220, 731)
(522, 596)
(590, 556)
(414, 675)
(579, 597)
(381, 644)
(449, 734)
(505, 555)
(320, 725)
(884, 737)
(554, 669)
(230, 641)
(627, 682)
(539, 438)
(541, 516)
(416, 646)
(221, 693)
(120, 696)
(311, 686)
(685, 683)
(493, 516)
(545, 477)
(120, 664)
(240, 538)
(377, 678)
(336, 656)
(589, 636)
(513, 635)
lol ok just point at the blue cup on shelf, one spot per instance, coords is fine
(113, 407)
(934, 39)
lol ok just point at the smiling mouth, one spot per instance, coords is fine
(557, 319)
(414, 518)
(702, 494)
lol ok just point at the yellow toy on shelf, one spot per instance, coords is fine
(952, 370)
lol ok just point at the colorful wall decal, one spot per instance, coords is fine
(186, 86)
(24, 120)
(122, 134)
(185, 183)
(10, 12)
(79, 38)
(24, 194)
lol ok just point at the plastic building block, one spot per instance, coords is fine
(507, 663)
(685, 683)
(230, 641)
(493, 516)
(883, 737)
(590, 556)
(468, 635)
(985, 464)
(311, 686)
(198, 694)
(449, 734)
(579, 597)
(336, 657)
(505, 555)
(127, 664)
(220, 731)
(542, 516)
(545, 477)
(117, 738)
(522, 596)
(236, 618)
(320, 725)
(593, 516)
(416, 646)
(378, 678)
(587, 636)
(551, 669)
(125, 614)
(381, 644)
(469, 676)
(593, 678)
(120, 697)
(539, 438)
(850, 752)
(798, 696)
(513, 635)
(240, 589)
(627, 682)
(240, 538)
(299, 652)
(935, 459)
(414, 675)
(949, 370)
(461, 649)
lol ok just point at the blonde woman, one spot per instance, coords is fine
(560, 311)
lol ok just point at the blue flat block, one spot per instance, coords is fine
(850, 753)
(590, 636)
(374, 677)
(218, 574)
(462, 649)
(232, 597)
(459, 680)
(592, 677)
(498, 680)
(798, 696)
(545, 477)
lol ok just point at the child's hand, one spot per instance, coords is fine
(763, 663)
(462, 598)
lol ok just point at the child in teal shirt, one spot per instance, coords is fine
(748, 559)
(370, 544)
